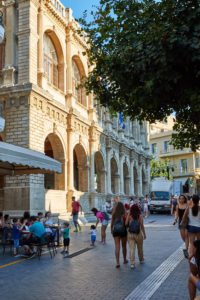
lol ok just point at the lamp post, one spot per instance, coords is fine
(163, 169)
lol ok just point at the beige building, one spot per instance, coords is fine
(186, 163)
(41, 66)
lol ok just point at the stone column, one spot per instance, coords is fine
(40, 46)
(9, 72)
(131, 178)
(92, 161)
(140, 177)
(70, 164)
(69, 89)
(108, 158)
(121, 170)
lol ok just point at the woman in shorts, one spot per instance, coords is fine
(118, 230)
(180, 211)
(101, 218)
(193, 215)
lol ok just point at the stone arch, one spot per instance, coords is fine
(78, 76)
(114, 176)
(80, 168)
(136, 181)
(126, 178)
(99, 172)
(56, 68)
(53, 148)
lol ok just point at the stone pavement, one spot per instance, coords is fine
(92, 275)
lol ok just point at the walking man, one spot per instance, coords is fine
(76, 206)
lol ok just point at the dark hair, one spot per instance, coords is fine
(40, 214)
(119, 211)
(6, 217)
(1, 214)
(94, 210)
(26, 215)
(93, 227)
(197, 254)
(135, 212)
(47, 213)
(14, 220)
(195, 208)
(185, 198)
(66, 224)
(73, 198)
(33, 218)
(131, 198)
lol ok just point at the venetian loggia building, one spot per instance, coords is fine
(41, 64)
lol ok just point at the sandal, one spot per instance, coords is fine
(125, 262)
(117, 266)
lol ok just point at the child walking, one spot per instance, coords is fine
(66, 239)
(93, 234)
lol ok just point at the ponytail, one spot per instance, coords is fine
(195, 208)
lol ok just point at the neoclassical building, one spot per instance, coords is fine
(41, 65)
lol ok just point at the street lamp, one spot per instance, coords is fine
(163, 169)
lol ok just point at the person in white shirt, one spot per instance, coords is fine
(48, 222)
(93, 234)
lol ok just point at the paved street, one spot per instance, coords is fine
(92, 275)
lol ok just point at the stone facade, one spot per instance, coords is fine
(44, 111)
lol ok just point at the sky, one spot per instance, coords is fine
(79, 6)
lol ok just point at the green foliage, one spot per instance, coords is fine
(146, 58)
(159, 168)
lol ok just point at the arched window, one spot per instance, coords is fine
(79, 93)
(50, 61)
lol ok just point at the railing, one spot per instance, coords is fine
(59, 7)
(172, 150)
(186, 171)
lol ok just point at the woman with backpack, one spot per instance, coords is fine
(118, 230)
(104, 218)
(136, 233)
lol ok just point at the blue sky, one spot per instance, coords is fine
(79, 6)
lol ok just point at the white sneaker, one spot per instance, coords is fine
(133, 266)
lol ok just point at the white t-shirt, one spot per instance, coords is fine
(48, 222)
(93, 231)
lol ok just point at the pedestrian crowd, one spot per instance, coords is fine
(186, 212)
(126, 227)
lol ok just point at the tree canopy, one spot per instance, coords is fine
(146, 62)
(159, 168)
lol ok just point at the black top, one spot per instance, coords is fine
(180, 214)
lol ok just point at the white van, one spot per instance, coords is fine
(160, 201)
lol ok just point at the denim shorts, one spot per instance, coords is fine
(198, 285)
(193, 229)
(105, 222)
(16, 243)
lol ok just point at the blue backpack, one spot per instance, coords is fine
(134, 226)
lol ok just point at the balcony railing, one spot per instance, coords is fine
(186, 172)
(59, 7)
(171, 150)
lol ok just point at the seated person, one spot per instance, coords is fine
(40, 217)
(194, 278)
(48, 222)
(37, 234)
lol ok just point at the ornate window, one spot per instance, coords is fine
(50, 61)
(79, 93)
